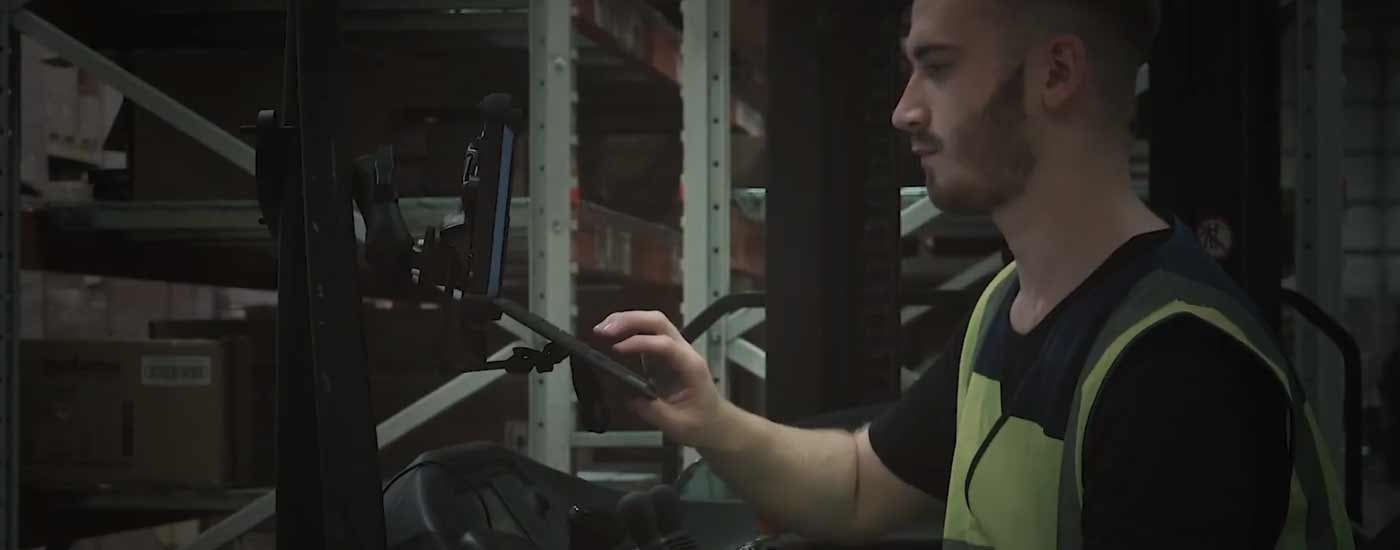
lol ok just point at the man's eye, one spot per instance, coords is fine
(937, 70)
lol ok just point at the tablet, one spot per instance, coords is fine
(490, 163)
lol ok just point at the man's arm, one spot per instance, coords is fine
(899, 466)
(900, 462)
(822, 484)
(1188, 446)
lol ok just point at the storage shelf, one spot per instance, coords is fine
(70, 151)
(607, 244)
(213, 500)
(64, 517)
(629, 39)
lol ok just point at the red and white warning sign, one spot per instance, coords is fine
(1216, 237)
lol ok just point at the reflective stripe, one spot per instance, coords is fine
(1324, 526)
(972, 421)
(951, 544)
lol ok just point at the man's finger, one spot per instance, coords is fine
(627, 323)
(661, 322)
(663, 347)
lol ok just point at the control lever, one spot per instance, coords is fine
(667, 504)
(592, 411)
(388, 243)
(639, 518)
(653, 520)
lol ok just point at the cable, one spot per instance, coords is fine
(405, 471)
(485, 510)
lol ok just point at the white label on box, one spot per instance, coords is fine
(177, 370)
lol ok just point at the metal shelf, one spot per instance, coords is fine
(63, 517)
(221, 500)
(753, 202)
(607, 243)
(628, 38)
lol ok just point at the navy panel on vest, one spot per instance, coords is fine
(1045, 391)
(1183, 256)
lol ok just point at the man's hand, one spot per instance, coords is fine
(690, 406)
(824, 484)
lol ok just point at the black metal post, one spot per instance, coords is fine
(1215, 136)
(328, 474)
(10, 128)
(833, 207)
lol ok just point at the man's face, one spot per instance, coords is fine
(964, 106)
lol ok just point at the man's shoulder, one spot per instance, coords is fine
(1186, 336)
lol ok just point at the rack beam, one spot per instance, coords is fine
(9, 284)
(182, 118)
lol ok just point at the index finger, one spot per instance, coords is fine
(628, 323)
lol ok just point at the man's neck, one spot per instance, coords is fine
(1061, 231)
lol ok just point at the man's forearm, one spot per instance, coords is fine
(805, 480)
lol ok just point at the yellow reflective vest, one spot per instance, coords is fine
(1016, 482)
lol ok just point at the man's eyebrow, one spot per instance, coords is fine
(925, 49)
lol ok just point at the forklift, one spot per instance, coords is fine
(1218, 63)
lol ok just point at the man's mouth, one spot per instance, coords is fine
(925, 148)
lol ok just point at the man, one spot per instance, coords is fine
(1112, 388)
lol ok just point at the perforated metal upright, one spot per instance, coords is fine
(552, 138)
(9, 284)
(1318, 246)
(705, 94)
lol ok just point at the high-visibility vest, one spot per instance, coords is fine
(1016, 482)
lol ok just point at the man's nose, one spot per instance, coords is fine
(909, 115)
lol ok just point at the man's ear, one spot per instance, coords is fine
(1066, 72)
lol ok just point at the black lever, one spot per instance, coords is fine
(667, 504)
(592, 412)
(1351, 392)
(388, 244)
(273, 162)
(639, 518)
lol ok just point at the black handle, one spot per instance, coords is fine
(1351, 391)
(720, 308)
(758, 300)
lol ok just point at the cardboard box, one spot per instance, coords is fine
(61, 101)
(34, 154)
(31, 304)
(75, 307)
(252, 351)
(402, 351)
(132, 304)
(149, 414)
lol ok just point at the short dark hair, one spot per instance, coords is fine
(1118, 35)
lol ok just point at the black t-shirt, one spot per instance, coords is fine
(1187, 447)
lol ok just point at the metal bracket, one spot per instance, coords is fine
(525, 360)
(593, 413)
(10, 140)
(271, 157)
